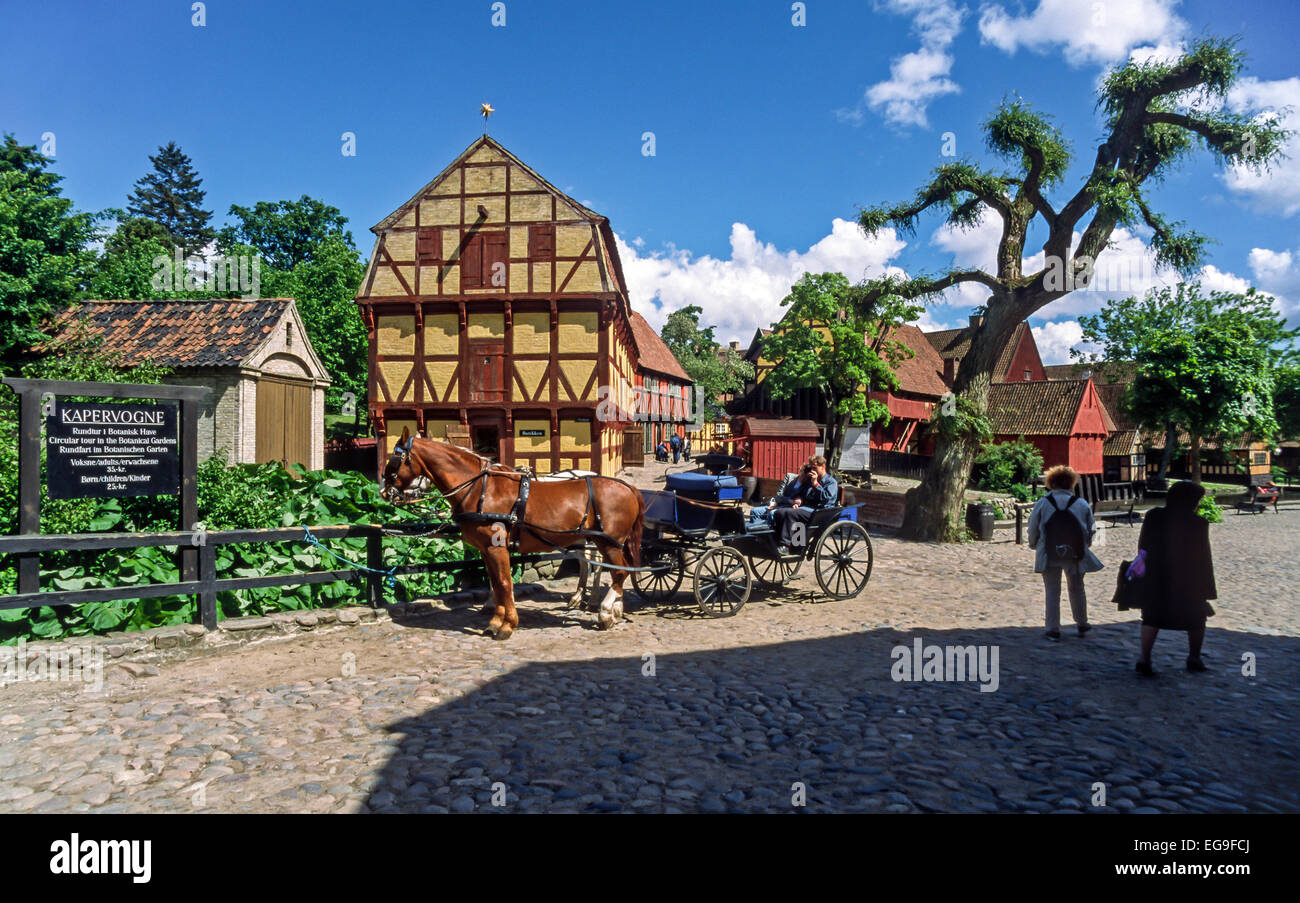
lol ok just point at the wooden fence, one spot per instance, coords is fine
(208, 584)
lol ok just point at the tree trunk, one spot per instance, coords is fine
(1196, 459)
(933, 510)
(1167, 454)
(836, 427)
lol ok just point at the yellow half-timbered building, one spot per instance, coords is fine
(498, 315)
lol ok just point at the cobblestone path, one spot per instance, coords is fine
(791, 701)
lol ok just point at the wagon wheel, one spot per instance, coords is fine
(774, 572)
(722, 582)
(662, 583)
(842, 560)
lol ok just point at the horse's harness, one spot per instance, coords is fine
(515, 520)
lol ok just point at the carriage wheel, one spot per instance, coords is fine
(661, 584)
(774, 572)
(842, 560)
(722, 582)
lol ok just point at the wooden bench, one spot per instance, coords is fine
(1115, 501)
(1257, 500)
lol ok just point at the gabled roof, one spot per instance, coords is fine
(1038, 407)
(954, 343)
(652, 353)
(919, 374)
(221, 332)
(1122, 442)
(1103, 374)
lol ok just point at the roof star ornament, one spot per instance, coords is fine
(486, 110)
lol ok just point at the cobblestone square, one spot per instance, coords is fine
(790, 702)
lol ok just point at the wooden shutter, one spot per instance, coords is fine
(471, 263)
(429, 247)
(541, 242)
(495, 272)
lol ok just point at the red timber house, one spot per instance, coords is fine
(1066, 419)
(498, 315)
(920, 387)
(662, 387)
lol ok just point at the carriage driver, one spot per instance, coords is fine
(814, 488)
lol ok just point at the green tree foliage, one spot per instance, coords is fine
(1286, 400)
(717, 370)
(285, 233)
(126, 268)
(833, 341)
(1002, 466)
(1156, 114)
(171, 196)
(43, 254)
(1205, 364)
(324, 286)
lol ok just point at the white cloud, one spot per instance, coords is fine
(1088, 31)
(1278, 190)
(1054, 341)
(916, 78)
(744, 292)
(1278, 273)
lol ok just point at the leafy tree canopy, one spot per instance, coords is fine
(717, 370)
(833, 340)
(285, 233)
(43, 253)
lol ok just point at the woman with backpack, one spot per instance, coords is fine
(1060, 532)
(1174, 554)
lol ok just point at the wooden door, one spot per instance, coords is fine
(487, 369)
(283, 424)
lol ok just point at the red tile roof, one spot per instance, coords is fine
(652, 353)
(954, 343)
(221, 332)
(919, 374)
(1037, 408)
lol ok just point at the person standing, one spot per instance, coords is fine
(1060, 531)
(676, 443)
(813, 489)
(1179, 573)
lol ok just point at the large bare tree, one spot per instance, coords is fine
(1156, 114)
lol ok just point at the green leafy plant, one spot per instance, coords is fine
(1003, 465)
(1208, 508)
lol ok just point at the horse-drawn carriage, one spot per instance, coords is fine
(655, 536)
(725, 553)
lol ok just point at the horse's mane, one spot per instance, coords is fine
(485, 463)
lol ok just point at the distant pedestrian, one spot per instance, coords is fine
(1060, 531)
(1179, 573)
(676, 443)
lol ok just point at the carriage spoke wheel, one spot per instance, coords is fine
(842, 560)
(662, 583)
(722, 582)
(774, 572)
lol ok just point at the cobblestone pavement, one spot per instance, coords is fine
(791, 698)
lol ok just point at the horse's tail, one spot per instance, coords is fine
(633, 544)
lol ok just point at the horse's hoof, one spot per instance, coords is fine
(618, 610)
(504, 633)
(605, 620)
(575, 601)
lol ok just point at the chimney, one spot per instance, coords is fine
(977, 320)
(735, 345)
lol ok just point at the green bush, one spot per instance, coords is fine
(1022, 492)
(1209, 509)
(1002, 465)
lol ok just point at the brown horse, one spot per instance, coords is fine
(559, 514)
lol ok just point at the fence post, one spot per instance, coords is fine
(29, 485)
(1020, 525)
(208, 593)
(375, 561)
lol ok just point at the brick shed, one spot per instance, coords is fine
(268, 386)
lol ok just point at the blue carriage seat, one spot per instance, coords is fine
(704, 485)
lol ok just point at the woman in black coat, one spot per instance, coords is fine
(1180, 573)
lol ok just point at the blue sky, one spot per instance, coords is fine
(766, 133)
